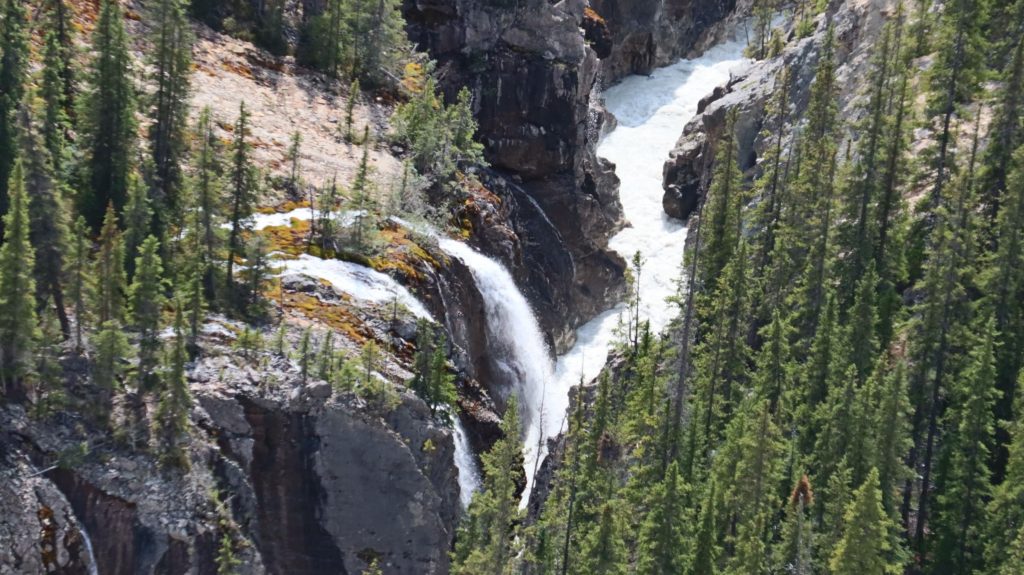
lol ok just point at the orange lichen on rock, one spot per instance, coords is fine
(335, 316)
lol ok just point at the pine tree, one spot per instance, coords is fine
(111, 285)
(108, 367)
(350, 107)
(604, 550)
(661, 546)
(56, 123)
(1007, 134)
(1003, 285)
(243, 194)
(487, 539)
(60, 23)
(81, 282)
(964, 483)
(864, 547)
(146, 298)
(208, 200)
(171, 61)
(1005, 513)
(705, 556)
(14, 54)
(227, 561)
(171, 417)
(722, 207)
(861, 341)
(363, 199)
(955, 78)
(108, 117)
(892, 432)
(19, 327)
(138, 222)
(305, 353)
(48, 224)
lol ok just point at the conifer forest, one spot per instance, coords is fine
(512, 287)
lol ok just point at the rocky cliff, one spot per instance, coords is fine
(647, 34)
(298, 477)
(856, 26)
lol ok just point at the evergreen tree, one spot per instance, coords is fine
(1007, 133)
(81, 282)
(722, 207)
(48, 224)
(146, 298)
(108, 117)
(955, 78)
(964, 484)
(171, 417)
(14, 54)
(705, 556)
(661, 547)
(171, 62)
(111, 285)
(208, 201)
(1005, 513)
(138, 222)
(56, 123)
(487, 541)
(108, 366)
(19, 327)
(243, 194)
(604, 550)
(864, 547)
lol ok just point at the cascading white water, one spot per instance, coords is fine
(651, 112)
(465, 464)
(514, 337)
(358, 281)
(90, 553)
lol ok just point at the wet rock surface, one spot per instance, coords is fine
(856, 26)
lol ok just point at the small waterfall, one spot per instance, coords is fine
(465, 463)
(517, 344)
(87, 543)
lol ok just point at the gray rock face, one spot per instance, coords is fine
(647, 34)
(856, 26)
(312, 482)
(533, 76)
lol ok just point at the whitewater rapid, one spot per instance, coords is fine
(651, 113)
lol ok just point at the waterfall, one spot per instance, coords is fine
(91, 554)
(516, 344)
(465, 463)
(651, 113)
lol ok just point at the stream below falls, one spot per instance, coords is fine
(651, 113)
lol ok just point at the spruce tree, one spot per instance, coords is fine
(722, 207)
(14, 54)
(171, 417)
(1005, 513)
(242, 195)
(864, 547)
(108, 117)
(661, 546)
(955, 78)
(56, 123)
(208, 199)
(795, 553)
(964, 481)
(146, 299)
(80, 280)
(604, 550)
(48, 223)
(487, 540)
(111, 285)
(171, 62)
(19, 326)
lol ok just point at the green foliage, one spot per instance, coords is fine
(108, 118)
(14, 53)
(146, 301)
(171, 417)
(432, 381)
(487, 538)
(440, 137)
(19, 330)
(361, 39)
(864, 547)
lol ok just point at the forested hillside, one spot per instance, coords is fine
(241, 330)
(841, 390)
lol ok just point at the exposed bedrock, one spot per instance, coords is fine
(856, 26)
